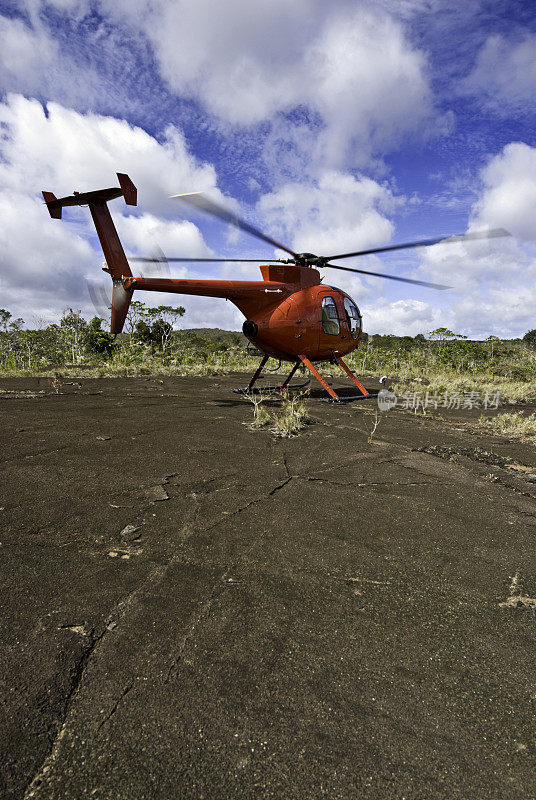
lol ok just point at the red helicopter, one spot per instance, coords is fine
(290, 315)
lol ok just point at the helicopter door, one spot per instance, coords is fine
(330, 327)
(330, 316)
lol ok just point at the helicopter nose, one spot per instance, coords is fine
(250, 329)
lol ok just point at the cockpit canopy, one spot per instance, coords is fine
(330, 317)
(353, 317)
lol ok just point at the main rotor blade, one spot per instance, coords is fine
(198, 200)
(463, 237)
(251, 260)
(390, 277)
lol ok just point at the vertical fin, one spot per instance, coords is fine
(121, 298)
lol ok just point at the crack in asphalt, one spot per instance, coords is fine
(122, 608)
(206, 607)
(110, 623)
(116, 705)
(203, 614)
(369, 483)
(155, 576)
(264, 496)
(76, 679)
(479, 456)
(36, 454)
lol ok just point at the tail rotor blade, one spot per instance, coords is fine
(158, 258)
(100, 298)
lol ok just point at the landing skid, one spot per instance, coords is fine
(279, 388)
(350, 399)
(286, 386)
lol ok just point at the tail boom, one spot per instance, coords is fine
(116, 260)
(112, 248)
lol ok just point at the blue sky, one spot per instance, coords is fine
(333, 126)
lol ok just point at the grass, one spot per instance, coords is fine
(439, 368)
(293, 417)
(288, 418)
(510, 391)
(261, 415)
(511, 424)
(375, 424)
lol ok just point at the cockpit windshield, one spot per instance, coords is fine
(353, 317)
(330, 317)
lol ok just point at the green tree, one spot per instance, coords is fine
(444, 335)
(164, 317)
(98, 341)
(5, 316)
(73, 328)
(136, 312)
(530, 338)
(493, 340)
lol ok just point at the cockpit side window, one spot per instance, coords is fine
(353, 317)
(330, 317)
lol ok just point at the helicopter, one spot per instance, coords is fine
(290, 314)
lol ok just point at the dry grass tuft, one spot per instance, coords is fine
(514, 424)
(293, 417)
(286, 420)
(510, 391)
(261, 415)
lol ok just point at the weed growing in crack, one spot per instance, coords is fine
(285, 421)
(261, 415)
(293, 417)
(374, 426)
(517, 600)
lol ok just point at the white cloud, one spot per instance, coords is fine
(509, 196)
(349, 66)
(62, 150)
(504, 76)
(25, 54)
(337, 212)
(43, 261)
(401, 318)
(368, 84)
(37, 61)
(40, 263)
(146, 233)
(494, 281)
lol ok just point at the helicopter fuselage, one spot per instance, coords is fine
(289, 313)
(295, 326)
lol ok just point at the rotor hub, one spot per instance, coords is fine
(307, 260)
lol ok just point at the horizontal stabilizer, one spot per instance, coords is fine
(126, 189)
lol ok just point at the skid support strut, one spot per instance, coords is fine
(257, 373)
(290, 375)
(320, 379)
(284, 387)
(351, 375)
(333, 396)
